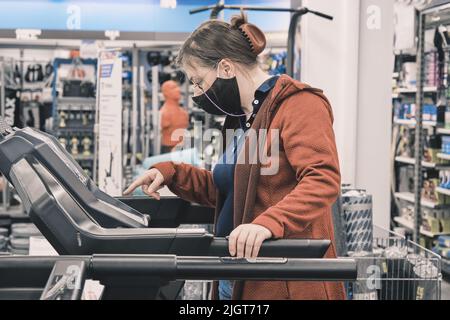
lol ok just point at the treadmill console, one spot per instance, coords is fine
(43, 149)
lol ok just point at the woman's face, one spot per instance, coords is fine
(202, 77)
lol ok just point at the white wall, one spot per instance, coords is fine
(376, 64)
(353, 65)
(330, 62)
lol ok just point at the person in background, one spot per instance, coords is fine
(173, 116)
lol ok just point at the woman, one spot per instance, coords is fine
(295, 202)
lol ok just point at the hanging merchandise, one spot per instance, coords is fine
(162, 76)
(48, 70)
(76, 82)
(78, 88)
(166, 59)
(17, 75)
(154, 58)
(34, 73)
(357, 212)
(178, 76)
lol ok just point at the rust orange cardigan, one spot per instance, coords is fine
(296, 202)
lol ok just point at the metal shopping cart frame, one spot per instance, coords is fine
(396, 269)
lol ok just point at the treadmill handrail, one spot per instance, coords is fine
(171, 267)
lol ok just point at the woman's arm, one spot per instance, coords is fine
(308, 139)
(188, 182)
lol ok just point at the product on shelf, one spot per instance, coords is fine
(431, 74)
(446, 144)
(447, 117)
(444, 179)
(63, 142)
(436, 220)
(407, 111)
(429, 112)
(429, 190)
(62, 117)
(74, 142)
(87, 144)
(406, 139)
(443, 247)
(85, 118)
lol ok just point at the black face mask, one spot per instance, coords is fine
(223, 98)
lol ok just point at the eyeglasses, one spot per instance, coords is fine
(198, 84)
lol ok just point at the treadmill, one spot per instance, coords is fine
(108, 241)
(145, 276)
(78, 219)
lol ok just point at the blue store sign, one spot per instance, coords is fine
(126, 15)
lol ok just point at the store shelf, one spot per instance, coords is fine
(81, 157)
(75, 107)
(412, 122)
(425, 164)
(414, 90)
(443, 191)
(443, 156)
(405, 160)
(408, 196)
(410, 225)
(443, 131)
(89, 129)
(76, 100)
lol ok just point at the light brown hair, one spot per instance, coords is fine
(215, 40)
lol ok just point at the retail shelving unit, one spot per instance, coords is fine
(74, 116)
(419, 95)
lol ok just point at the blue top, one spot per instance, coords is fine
(223, 174)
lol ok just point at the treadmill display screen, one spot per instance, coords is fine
(60, 153)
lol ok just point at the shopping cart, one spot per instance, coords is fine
(396, 269)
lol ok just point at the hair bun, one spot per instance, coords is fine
(238, 20)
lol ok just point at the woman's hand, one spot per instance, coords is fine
(151, 181)
(246, 240)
